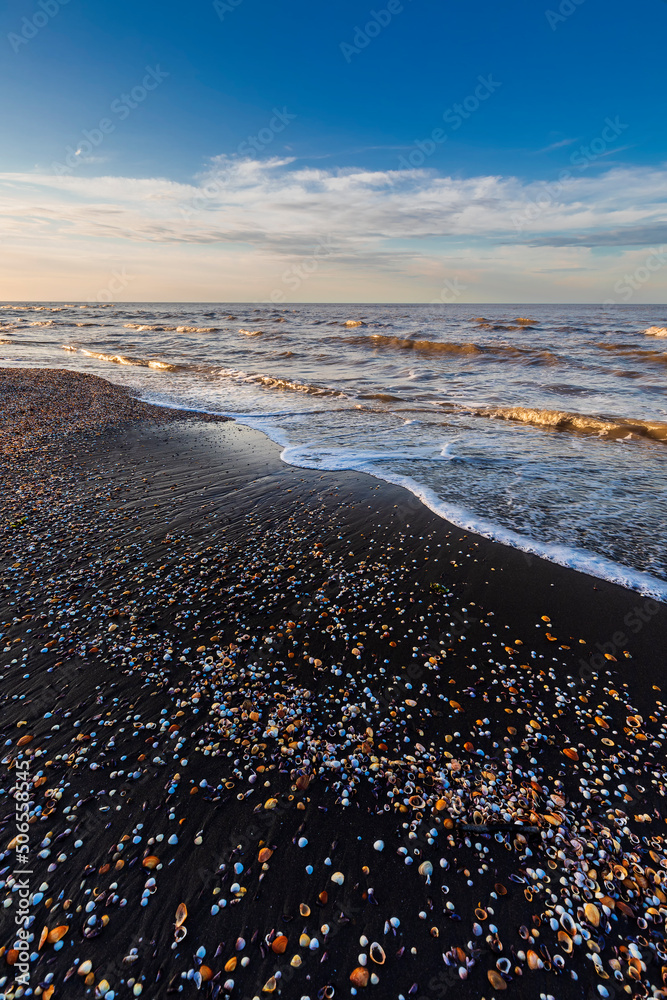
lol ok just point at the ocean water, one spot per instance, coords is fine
(541, 426)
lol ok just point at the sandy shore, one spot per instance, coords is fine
(288, 732)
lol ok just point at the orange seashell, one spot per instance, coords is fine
(231, 964)
(48, 992)
(553, 819)
(469, 747)
(24, 739)
(181, 914)
(496, 980)
(500, 889)
(592, 914)
(565, 941)
(57, 934)
(279, 944)
(12, 956)
(571, 753)
(206, 973)
(42, 938)
(533, 960)
(151, 861)
(304, 909)
(270, 985)
(441, 804)
(359, 976)
(264, 854)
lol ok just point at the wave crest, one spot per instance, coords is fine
(612, 428)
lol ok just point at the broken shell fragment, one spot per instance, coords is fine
(376, 952)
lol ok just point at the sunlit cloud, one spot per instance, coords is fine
(410, 224)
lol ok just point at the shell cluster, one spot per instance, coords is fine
(268, 756)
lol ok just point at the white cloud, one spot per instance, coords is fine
(400, 229)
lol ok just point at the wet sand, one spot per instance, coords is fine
(282, 728)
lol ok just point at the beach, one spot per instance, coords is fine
(288, 731)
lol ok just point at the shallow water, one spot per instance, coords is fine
(541, 426)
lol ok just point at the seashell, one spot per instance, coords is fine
(323, 897)
(496, 980)
(534, 961)
(85, 968)
(181, 915)
(240, 944)
(180, 934)
(264, 855)
(480, 913)
(378, 845)
(304, 941)
(57, 934)
(426, 869)
(592, 914)
(338, 878)
(102, 988)
(304, 909)
(416, 801)
(271, 804)
(270, 985)
(359, 976)
(571, 753)
(376, 952)
(279, 945)
(231, 964)
(500, 889)
(567, 923)
(296, 961)
(151, 862)
(42, 938)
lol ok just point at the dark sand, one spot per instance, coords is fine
(147, 559)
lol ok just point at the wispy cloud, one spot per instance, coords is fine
(410, 223)
(556, 145)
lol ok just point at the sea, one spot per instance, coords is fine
(540, 426)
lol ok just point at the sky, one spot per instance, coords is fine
(407, 151)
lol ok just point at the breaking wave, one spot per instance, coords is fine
(466, 348)
(284, 384)
(612, 428)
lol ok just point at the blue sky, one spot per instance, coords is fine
(360, 91)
